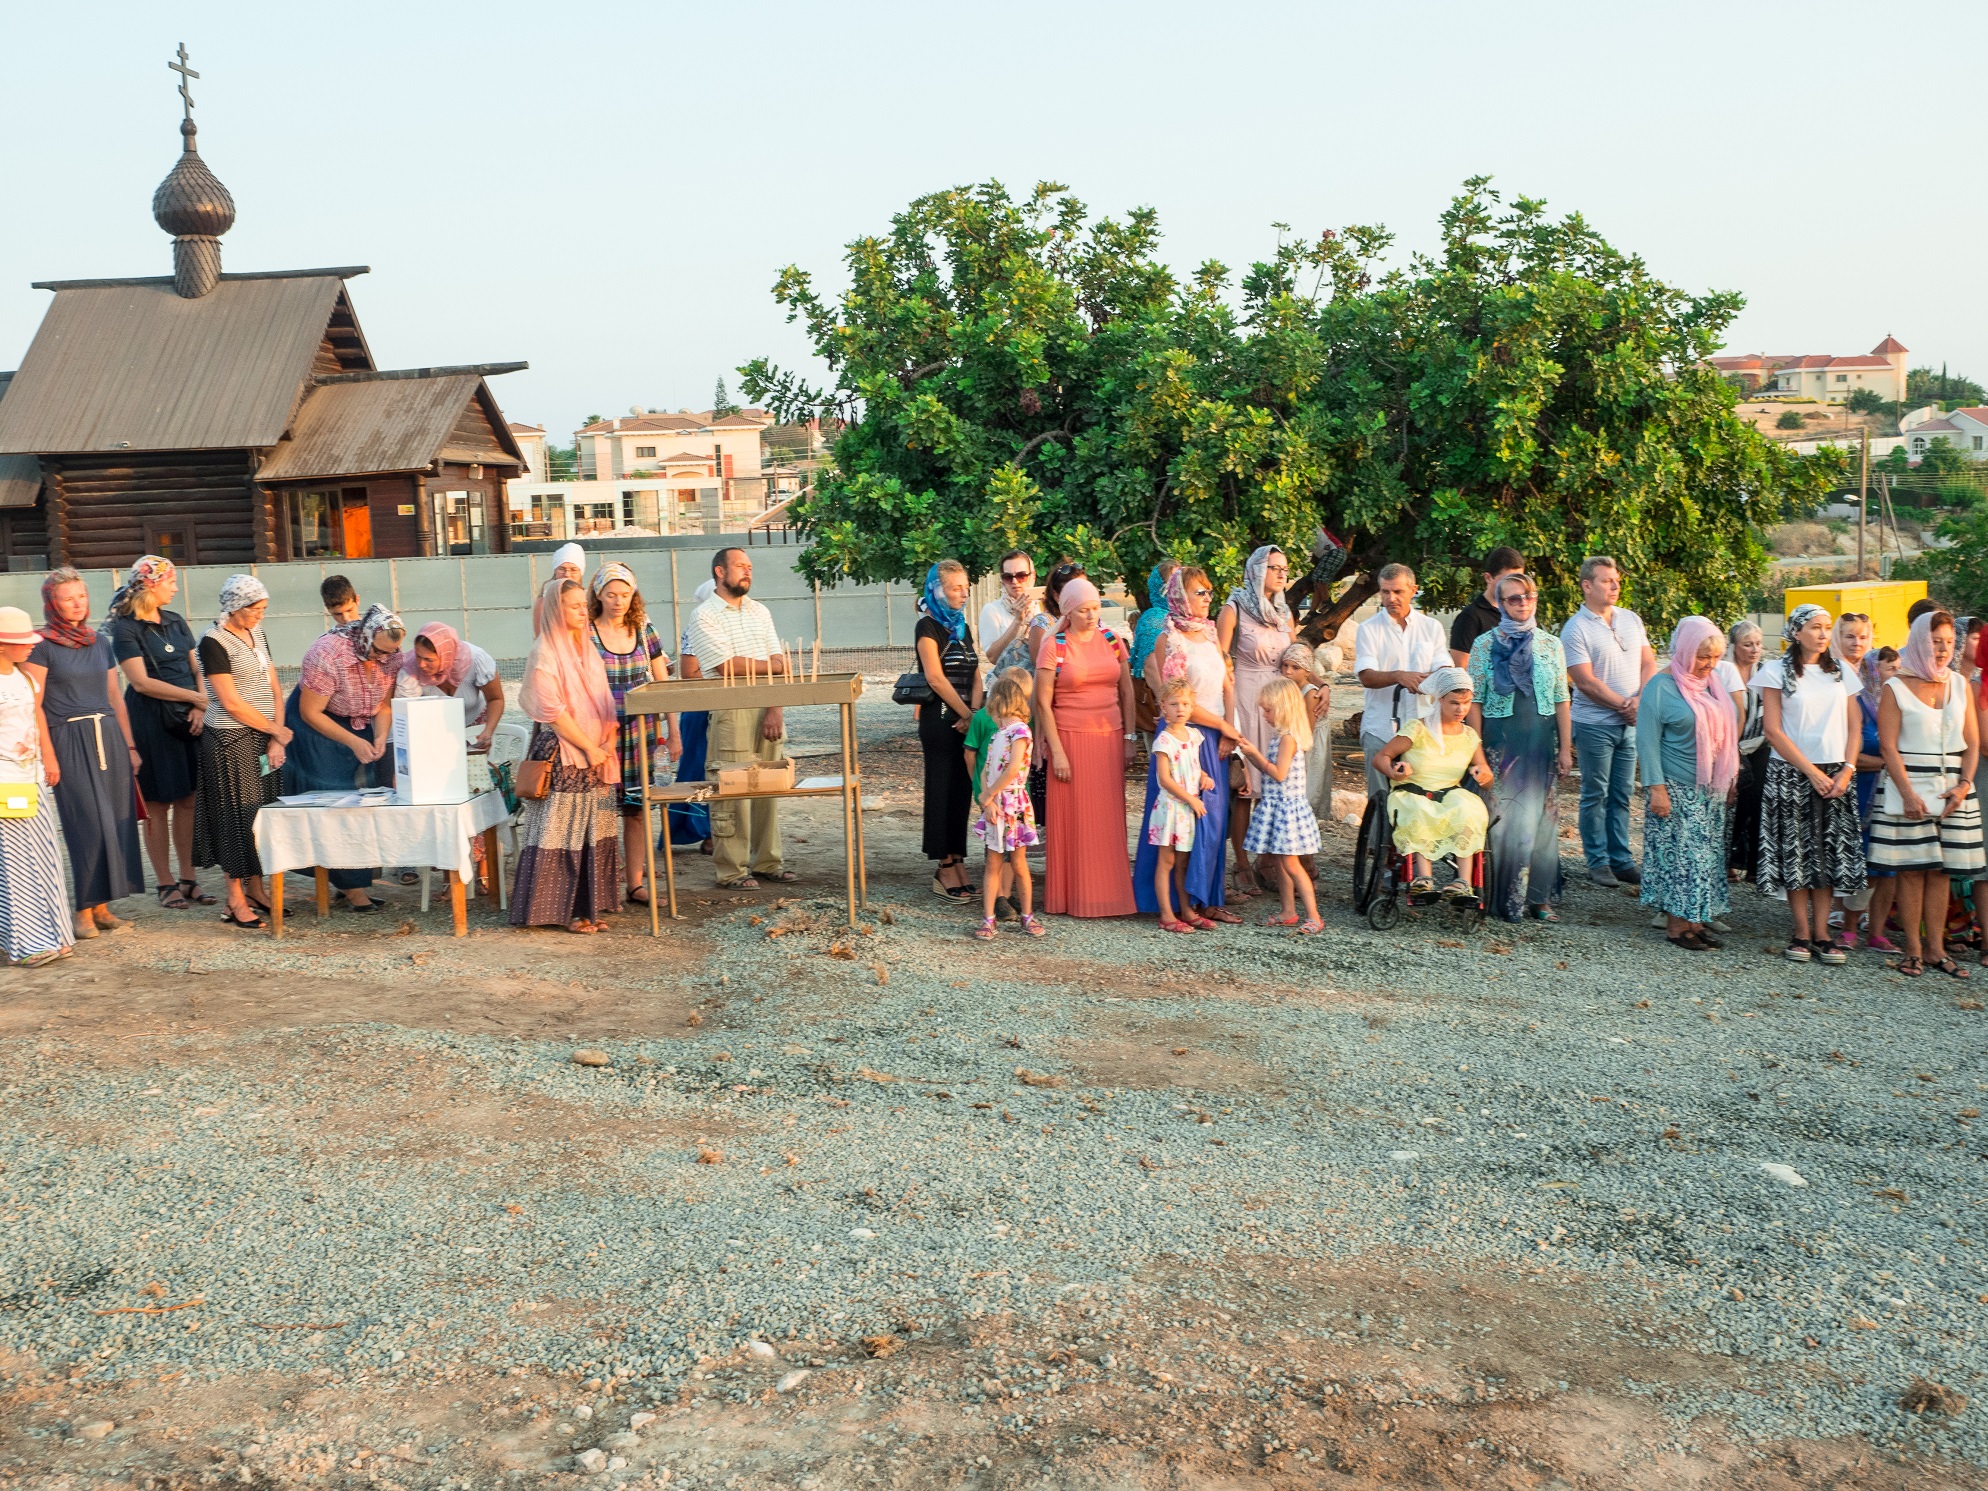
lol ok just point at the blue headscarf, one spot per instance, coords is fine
(1511, 651)
(936, 606)
(1152, 621)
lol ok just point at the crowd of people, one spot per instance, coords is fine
(1836, 776)
(147, 743)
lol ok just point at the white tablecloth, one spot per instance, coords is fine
(356, 838)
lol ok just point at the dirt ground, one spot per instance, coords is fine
(1391, 1371)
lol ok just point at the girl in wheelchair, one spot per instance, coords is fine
(1433, 814)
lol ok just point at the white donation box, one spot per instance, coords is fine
(430, 756)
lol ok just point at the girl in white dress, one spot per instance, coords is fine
(1177, 808)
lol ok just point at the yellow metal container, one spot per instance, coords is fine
(1884, 601)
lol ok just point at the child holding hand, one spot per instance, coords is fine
(979, 731)
(1177, 807)
(1284, 827)
(1007, 819)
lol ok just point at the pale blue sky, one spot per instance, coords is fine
(608, 190)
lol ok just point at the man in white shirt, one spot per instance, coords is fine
(732, 635)
(1393, 651)
(1004, 621)
(1609, 659)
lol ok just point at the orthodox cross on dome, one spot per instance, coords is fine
(185, 73)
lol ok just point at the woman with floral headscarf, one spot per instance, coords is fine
(1186, 649)
(633, 655)
(1687, 743)
(1254, 628)
(341, 713)
(1810, 841)
(1927, 825)
(90, 734)
(167, 701)
(951, 666)
(569, 860)
(241, 750)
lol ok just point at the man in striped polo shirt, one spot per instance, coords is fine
(732, 634)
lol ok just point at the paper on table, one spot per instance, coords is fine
(818, 784)
(367, 797)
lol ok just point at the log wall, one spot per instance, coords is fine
(104, 511)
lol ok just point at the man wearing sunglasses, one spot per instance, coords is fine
(1004, 621)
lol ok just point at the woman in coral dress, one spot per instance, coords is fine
(1083, 695)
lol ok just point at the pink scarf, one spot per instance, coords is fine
(456, 660)
(565, 675)
(1718, 730)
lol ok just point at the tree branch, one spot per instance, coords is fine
(1063, 433)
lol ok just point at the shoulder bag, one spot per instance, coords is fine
(912, 688)
(175, 714)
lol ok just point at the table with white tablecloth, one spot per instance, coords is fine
(438, 834)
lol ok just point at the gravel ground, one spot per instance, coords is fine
(1251, 1186)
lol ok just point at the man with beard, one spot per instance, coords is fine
(732, 634)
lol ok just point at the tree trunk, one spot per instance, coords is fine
(1327, 615)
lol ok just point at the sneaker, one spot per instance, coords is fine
(1603, 876)
(1629, 875)
(1006, 910)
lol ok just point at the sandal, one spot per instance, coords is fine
(1220, 914)
(1202, 923)
(1421, 885)
(254, 923)
(639, 896)
(1796, 952)
(1312, 925)
(409, 877)
(1877, 942)
(1168, 924)
(1910, 967)
(192, 891)
(1032, 924)
(1280, 920)
(1689, 940)
(986, 931)
(41, 960)
(582, 928)
(1950, 968)
(1830, 953)
(788, 877)
(748, 883)
(1711, 939)
(1542, 914)
(173, 897)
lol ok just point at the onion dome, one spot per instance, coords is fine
(191, 202)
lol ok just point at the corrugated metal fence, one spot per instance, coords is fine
(487, 598)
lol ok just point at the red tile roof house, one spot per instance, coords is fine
(1822, 375)
(1966, 430)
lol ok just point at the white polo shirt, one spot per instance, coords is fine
(720, 632)
(1418, 646)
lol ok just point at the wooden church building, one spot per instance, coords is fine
(237, 418)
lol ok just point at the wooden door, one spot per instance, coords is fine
(358, 518)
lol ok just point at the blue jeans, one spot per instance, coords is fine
(1606, 755)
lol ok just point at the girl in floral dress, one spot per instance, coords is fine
(1007, 818)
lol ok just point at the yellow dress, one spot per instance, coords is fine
(1458, 823)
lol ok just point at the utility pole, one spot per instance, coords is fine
(1863, 499)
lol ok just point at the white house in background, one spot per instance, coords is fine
(726, 445)
(531, 440)
(1822, 375)
(1966, 430)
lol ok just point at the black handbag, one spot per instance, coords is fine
(175, 714)
(912, 688)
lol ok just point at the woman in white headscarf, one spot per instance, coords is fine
(1254, 628)
(241, 747)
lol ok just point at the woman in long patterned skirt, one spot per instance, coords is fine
(1687, 743)
(34, 929)
(633, 655)
(569, 862)
(241, 748)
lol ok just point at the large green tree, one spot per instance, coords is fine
(1018, 375)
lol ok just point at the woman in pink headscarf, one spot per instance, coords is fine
(1687, 743)
(569, 865)
(1083, 704)
(1926, 828)
(441, 665)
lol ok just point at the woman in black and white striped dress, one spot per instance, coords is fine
(1927, 825)
(34, 917)
(244, 731)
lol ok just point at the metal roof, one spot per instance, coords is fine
(20, 476)
(136, 367)
(350, 429)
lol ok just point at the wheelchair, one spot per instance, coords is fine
(1380, 871)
